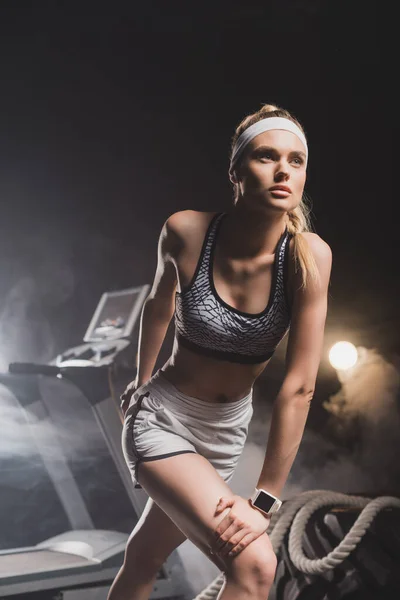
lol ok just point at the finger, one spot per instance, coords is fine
(225, 535)
(224, 503)
(124, 407)
(126, 395)
(219, 533)
(229, 525)
(235, 531)
(244, 542)
(234, 540)
(223, 526)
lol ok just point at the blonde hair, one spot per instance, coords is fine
(299, 217)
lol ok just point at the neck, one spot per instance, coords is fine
(251, 233)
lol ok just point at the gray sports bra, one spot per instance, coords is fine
(206, 324)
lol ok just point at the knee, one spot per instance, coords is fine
(255, 565)
(261, 567)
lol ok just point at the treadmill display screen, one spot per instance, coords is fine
(115, 315)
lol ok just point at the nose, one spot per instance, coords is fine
(282, 170)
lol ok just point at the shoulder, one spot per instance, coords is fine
(320, 249)
(322, 255)
(186, 221)
(188, 224)
(184, 227)
(316, 243)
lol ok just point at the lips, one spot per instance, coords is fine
(280, 188)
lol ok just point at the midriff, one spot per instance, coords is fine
(209, 379)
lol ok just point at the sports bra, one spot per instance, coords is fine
(205, 324)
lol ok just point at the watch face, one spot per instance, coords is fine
(264, 502)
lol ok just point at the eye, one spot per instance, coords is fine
(266, 154)
(299, 160)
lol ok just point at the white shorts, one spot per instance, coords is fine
(162, 421)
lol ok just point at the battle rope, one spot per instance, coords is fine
(351, 539)
(295, 514)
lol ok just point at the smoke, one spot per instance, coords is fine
(33, 433)
(355, 453)
(365, 410)
(24, 331)
(25, 328)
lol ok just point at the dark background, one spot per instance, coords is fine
(114, 115)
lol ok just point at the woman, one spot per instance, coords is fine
(244, 278)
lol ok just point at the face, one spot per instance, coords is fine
(273, 158)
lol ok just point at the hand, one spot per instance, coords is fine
(239, 527)
(127, 395)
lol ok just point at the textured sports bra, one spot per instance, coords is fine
(207, 325)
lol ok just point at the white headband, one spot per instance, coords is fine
(261, 126)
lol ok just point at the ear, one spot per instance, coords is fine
(233, 177)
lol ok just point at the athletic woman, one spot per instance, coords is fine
(237, 282)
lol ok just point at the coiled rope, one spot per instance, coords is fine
(295, 514)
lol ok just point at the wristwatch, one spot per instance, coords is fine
(265, 502)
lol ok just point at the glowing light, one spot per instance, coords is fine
(343, 355)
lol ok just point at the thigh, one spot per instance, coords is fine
(154, 537)
(187, 488)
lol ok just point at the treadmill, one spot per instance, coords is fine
(67, 500)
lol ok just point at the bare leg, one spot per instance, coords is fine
(187, 487)
(152, 540)
(124, 588)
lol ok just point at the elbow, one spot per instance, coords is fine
(303, 395)
(299, 390)
(304, 390)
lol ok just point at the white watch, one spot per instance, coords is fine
(265, 502)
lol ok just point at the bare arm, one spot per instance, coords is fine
(159, 306)
(303, 356)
